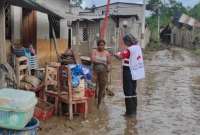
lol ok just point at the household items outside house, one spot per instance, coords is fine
(16, 112)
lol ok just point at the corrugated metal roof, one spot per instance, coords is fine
(87, 17)
(191, 21)
(97, 17)
(185, 19)
(92, 17)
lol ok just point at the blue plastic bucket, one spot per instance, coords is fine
(30, 129)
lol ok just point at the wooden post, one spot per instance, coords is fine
(2, 33)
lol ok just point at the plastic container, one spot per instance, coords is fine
(16, 108)
(22, 52)
(30, 129)
(90, 94)
(44, 110)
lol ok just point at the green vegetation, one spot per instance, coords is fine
(167, 11)
(195, 11)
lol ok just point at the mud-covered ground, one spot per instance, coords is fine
(169, 101)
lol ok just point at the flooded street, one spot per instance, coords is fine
(169, 101)
(170, 95)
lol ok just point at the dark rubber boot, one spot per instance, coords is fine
(131, 106)
(134, 110)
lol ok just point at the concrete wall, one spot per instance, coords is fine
(42, 26)
(75, 10)
(79, 46)
(134, 23)
(133, 26)
(57, 5)
(146, 37)
(45, 49)
(122, 9)
(112, 35)
(16, 21)
(63, 29)
(82, 49)
(93, 28)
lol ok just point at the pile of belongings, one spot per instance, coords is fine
(29, 53)
(68, 58)
(30, 82)
(17, 108)
(7, 76)
(79, 72)
(21, 51)
(81, 80)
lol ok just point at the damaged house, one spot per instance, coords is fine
(36, 23)
(123, 18)
(185, 32)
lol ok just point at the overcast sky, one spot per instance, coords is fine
(88, 3)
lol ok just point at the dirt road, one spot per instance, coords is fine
(169, 101)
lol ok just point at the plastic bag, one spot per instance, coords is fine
(75, 81)
(87, 73)
(77, 70)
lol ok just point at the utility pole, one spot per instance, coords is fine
(158, 22)
(143, 25)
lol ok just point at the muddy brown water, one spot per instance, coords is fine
(168, 101)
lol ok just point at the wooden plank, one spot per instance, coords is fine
(23, 67)
(3, 58)
(20, 59)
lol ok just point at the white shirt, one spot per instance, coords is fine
(136, 62)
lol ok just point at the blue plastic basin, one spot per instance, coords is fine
(30, 129)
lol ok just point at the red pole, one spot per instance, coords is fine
(104, 26)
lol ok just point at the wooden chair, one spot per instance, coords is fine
(22, 69)
(51, 85)
(69, 99)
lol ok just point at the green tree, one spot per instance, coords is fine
(166, 12)
(153, 5)
(195, 11)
